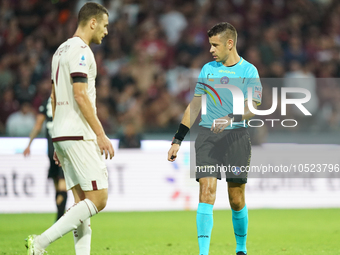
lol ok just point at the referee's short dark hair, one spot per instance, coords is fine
(225, 29)
(91, 10)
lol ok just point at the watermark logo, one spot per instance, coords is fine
(238, 102)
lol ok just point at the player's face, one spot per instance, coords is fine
(218, 48)
(101, 29)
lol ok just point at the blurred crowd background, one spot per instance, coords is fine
(155, 50)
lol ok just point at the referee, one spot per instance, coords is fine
(223, 139)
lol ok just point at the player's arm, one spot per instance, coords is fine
(219, 126)
(35, 131)
(85, 106)
(191, 112)
(53, 100)
(189, 117)
(247, 113)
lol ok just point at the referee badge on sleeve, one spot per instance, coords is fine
(257, 92)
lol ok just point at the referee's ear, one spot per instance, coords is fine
(230, 44)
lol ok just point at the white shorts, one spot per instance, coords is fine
(83, 164)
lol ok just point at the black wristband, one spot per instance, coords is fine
(236, 117)
(181, 132)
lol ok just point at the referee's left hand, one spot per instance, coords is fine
(220, 124)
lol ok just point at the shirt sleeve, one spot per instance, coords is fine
(253, 82)
(200, 88)
(80, 62)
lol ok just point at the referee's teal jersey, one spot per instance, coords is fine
(220, 100)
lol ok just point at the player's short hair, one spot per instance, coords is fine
(91, 10)
(225, 29)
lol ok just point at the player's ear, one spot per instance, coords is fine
(230, 44)
(93, 23)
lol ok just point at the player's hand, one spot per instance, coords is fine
(172, 153)
(105, 146)
(56, 160)
(27, 151)
(220, 124)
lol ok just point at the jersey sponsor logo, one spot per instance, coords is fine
(224, 80)
(63, 103)
(226, 71)
(236, 170)
(82, 60)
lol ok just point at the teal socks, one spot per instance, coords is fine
(204, 221)
(240, 223)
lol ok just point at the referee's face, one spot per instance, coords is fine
(218, 49)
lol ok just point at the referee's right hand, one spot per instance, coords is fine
(172, 153)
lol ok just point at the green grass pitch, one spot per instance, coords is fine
(283, 232)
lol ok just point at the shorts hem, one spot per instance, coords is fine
(217, 177)
(237, 180)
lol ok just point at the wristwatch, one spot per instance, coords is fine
(231, 116)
